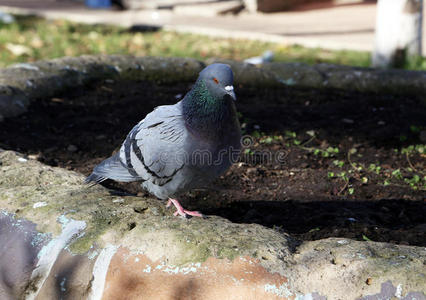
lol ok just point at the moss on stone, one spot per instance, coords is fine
(108, 221)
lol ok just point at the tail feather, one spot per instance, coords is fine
(94, 178)
(111, 168)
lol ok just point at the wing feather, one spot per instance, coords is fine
(154, 143)
(148, 152)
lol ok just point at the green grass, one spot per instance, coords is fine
(32, 38)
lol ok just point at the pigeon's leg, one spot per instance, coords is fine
(181, 211)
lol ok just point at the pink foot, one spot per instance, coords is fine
(181, 211)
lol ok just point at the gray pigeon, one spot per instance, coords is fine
(266, 57)
(182, 146)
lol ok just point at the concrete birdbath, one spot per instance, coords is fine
(294, 219)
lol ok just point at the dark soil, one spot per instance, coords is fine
(303, 193)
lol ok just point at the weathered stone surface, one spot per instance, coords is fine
(337, 266)
(70, 278)
(20, 244)
(241, 278)
(131, 220)
(47, 78)
(54, 198)
(13, 102)
(76, 242)
(22, 83)
(327, 76)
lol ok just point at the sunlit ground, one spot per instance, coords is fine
(32, 38)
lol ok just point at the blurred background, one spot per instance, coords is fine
(387, 33)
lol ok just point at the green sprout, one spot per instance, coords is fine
(365, 238)
(374, 168)
(338, 163)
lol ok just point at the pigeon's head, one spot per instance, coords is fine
(219, 80)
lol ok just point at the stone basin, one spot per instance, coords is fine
(61, 239)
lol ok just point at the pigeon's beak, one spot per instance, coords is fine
(230, 90)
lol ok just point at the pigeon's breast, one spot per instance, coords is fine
(213, 155)
(203, 158)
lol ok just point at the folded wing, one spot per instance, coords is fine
(153, 150)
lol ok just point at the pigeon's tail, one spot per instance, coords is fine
(111, 168)
(94, 178)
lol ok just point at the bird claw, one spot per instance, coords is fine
(181, 211)
(169, 203)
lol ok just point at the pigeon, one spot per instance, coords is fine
(6, 18)
(266, 57)
(183, 146)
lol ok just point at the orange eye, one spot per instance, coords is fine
(216, 81)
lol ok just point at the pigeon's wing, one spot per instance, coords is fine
(112, 168)
(154, 149)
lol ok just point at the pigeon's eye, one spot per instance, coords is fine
(215, 80)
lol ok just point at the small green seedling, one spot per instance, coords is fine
(374, 168)
(365, 238)
(338, 163)
(248, 151)
(397, 174)
(267, 140)
(290, 134)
